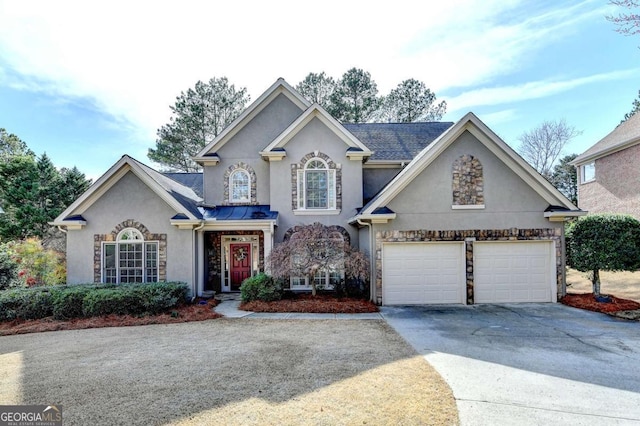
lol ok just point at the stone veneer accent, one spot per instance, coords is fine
(468, 236)
(252, 179)
(467, 182)
(300, 166)
(213, 252)
(148, 236)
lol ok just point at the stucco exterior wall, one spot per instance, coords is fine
(616, 188)
(315, 137)
(129, 199)
(375, 179)
(245, 147)
(426, 203)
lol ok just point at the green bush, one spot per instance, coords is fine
(65, 302)
(8, 270)
(260, 287)
(604, 243)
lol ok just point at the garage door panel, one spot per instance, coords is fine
(423, 273)
(514, 272)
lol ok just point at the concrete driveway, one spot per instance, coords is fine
(529, 364)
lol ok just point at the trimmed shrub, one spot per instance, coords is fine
(260, 287)
(66, 302)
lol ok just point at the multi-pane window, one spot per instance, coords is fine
(240, 186)
(324, 278)
(130, 259)
(316, 186)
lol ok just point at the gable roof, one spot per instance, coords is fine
(397, 141)
(179, 197)
(316, 111)
(277, 88)
(491, 141)
(625, 135)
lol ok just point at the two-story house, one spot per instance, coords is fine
(447, 212)
(608, 172)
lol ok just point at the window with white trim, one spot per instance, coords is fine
(325, 278)
(316, 186)
(588, 172)
(239, 186)
(130, 259)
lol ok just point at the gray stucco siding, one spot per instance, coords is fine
(128, 199)
(245, 146)
(315, 136)
(426, 203)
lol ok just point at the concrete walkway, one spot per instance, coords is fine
(229, 304)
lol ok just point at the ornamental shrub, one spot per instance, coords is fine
(260, 287)
(8, 270)
(66, 302)
(603, 242)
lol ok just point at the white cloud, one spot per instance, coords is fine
(132, 58)
(526, 91)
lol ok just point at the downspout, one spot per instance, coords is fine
(371, 259)
(194, 294)
(61, 229)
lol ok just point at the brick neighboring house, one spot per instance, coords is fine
(609, 172)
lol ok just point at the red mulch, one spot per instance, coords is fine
(313, 304)
(588, 302)
(185, 313)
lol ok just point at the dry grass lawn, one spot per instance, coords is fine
(227, 372)
(625, 285)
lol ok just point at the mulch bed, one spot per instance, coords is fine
(313, 304)
(185, 313)
(622, 308)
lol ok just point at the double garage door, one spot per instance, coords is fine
(504, 272)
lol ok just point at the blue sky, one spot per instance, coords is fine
(87, 82)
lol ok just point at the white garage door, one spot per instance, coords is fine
(515, 271)
(423, 273)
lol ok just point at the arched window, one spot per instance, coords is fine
(316, 185)
(239, 186)
(130, 259)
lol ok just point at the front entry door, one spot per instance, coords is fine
(240, 264)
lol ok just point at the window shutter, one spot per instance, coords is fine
(331, 202)
(301, 189)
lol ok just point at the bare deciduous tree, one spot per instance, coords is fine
(314, 248)
(626, 23)
(542, 146)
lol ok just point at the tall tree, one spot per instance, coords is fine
(542, 146)
(11, 145)
(317, 88)
(34, 192)
(635, 108)
(626, 23)
(355, 97)
(565, 178)
(411, 101)
(199, 115)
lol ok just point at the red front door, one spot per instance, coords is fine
(240, 264)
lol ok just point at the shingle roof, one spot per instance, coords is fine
(190, 180)
(397, 141)
(625, 134)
